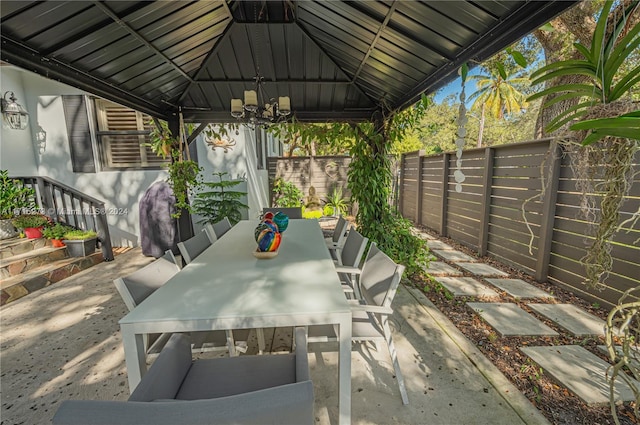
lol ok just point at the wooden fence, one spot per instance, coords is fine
(489, 216)
(324, 173)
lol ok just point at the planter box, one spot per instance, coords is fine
(80, 248)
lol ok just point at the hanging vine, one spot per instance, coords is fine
(604, 125)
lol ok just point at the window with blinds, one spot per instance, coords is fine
(122, 135)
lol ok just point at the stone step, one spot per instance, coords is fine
(440, 268)
(15, 246)
(22, 263)
(571, 318)
(16, 287)
(510, 320)
(465, 287)
(580, 371)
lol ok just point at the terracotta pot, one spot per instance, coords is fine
(57, 243)
(33, 232)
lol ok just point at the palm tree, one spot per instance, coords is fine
(498, 92)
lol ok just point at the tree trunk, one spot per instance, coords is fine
(481, 127)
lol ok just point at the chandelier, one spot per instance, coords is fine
(258, 108)
(14, 114)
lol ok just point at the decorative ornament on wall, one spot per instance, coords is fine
(461, 132)
(224, 144)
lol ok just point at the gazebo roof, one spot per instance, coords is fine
(335, 59)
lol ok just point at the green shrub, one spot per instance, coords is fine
(79, 235)
(221, 202)
(25, 221)
(328, 210)
(287, 194)
(312, 214)
(56, 231)
(14, 196)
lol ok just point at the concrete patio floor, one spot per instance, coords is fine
(63, 342)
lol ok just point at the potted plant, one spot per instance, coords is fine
(13, 197)
(80, 243)
(31, 224)
(55, 233)
(221, 202)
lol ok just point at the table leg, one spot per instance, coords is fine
(134, 356)
(344, 373)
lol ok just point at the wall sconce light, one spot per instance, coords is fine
(15, 115)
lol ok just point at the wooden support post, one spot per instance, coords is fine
(552, 179)
(485, 208)
(403, 164)
(444, 194)
(419, 189)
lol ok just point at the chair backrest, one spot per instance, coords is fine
(194, 246)
(380, 278)
(353, 249)
(292, 213)
(137, 286)
(340, 230)
(210, 231)
(221, 227)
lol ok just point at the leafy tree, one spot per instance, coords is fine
(498, 92)
(220, 202)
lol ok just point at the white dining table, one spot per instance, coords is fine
(227, 287)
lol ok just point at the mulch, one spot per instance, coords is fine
(559, 405)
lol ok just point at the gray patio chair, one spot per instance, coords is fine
(194, 246)
(233, 390)
(348, 264)
(292, 213)
(337, 240)
(379, 282)
(137, 286)
(221, 227)
(210, 231)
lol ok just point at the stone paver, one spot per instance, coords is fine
(466, 287)
(571, 318)
(481, 269)
(634, 355)
(510, 320)
(580, 371)
(436, 244)
(439, 268)
(518, 288)
(453, 255)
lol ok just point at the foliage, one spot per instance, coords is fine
(57, 231)
(287, 194)
(220, 203)
(498, 92)
(607, 126)
(312, 214)
(328, 210)
(162, 141)
(600, 64)
(623, 322)
(25, 221)
(14, 196)
(183, 178)
(79, 235)
(337, 202)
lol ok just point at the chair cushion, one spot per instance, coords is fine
(167, 372)
(212, 378)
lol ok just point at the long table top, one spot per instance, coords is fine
(227, 283)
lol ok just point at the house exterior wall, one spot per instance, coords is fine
(16, 147)
(121, 190)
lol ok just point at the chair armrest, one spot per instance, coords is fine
(348, 269)
(165, 376)
(286, 404)
(371, 308)
(302, 357)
